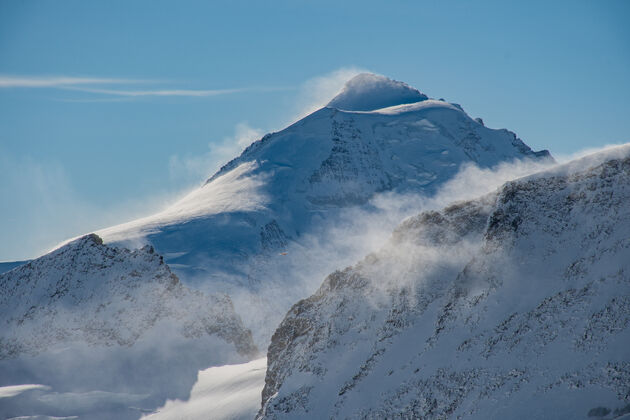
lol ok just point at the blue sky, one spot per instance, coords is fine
(109, 109)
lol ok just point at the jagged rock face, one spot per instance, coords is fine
(109, 329)
(93, 293)
(512, 306)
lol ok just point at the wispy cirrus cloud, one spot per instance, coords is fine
(175, 92)
(92, 85)
(163, 92)
(7, 81)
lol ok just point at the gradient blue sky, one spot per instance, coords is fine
(158, 93)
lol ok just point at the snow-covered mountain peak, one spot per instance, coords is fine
(368, 92)
(90, 240)
(251, 219)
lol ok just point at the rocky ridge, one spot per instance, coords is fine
(511, 306)
(89, 292)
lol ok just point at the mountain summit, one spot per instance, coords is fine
(369, 92)
(246, 231)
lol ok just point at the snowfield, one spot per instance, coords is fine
(12, 391)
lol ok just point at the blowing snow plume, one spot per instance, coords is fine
(368, 92)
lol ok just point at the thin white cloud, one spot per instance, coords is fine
(7, 81)
(176, 92)
(162, 92)
(94, 100)
(90, 85)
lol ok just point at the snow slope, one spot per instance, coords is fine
(230, 392)
(515, 305)
(106, 330)
(243, 232)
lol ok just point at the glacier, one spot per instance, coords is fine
(224, 392)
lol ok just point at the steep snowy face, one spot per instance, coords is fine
(511, 306)
(368, 92)
(110, 332)
(288, 182)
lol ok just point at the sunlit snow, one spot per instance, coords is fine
(221, 393)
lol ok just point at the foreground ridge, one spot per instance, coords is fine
(511, 306)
